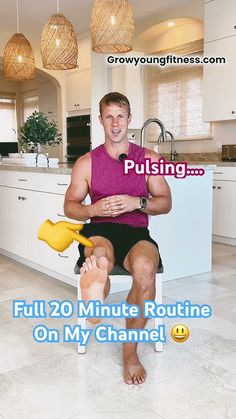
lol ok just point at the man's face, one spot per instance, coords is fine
(115, 121)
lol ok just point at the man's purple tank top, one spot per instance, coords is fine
(108, 179)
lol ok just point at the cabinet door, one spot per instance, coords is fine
(51, 207)
(215, 208)
(220, 19)
(4, 224)
(48, 100)
(78, 90)
(19, 221)
(226, 208)
(219, 85)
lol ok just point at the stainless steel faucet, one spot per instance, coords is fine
(36, 158)
(173, 152)
(158, 122)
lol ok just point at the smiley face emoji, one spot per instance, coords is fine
(180, 333)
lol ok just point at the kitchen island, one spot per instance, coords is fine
(29, 195)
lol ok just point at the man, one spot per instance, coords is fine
(119, 209)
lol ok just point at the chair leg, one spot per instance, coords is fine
(81, 320)
(158, 300)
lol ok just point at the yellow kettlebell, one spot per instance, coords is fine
(60, 235)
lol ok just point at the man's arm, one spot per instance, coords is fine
(160, 200)
(78, 190)
(158, 203)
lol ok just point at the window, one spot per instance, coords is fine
(8, 124)
(174, 95)
(30, 104)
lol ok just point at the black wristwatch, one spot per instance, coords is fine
(143, 202)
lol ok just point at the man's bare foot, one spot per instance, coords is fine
(134, 372)
(93, 276)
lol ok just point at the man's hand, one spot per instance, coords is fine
(115, 205)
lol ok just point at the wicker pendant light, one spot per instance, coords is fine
(18, 57)
(112, 26)
(59, 48)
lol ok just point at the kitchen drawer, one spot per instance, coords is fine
(225, 173)
(45, 182)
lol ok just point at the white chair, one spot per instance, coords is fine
(120, 276)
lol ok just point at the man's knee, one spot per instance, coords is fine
(143, 271)
(144, 266)
(102, 247)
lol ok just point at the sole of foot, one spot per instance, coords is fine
(93, 277)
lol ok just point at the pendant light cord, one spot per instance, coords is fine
(17, 17)
(58, 6)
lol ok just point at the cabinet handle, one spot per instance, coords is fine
(214, 187)
(22, 180)
(19, 197)
(234, 26)
(218, 173)
(233, 112)
(63, 256)
(22, 198)
(219, 187)
(62, 184)
(61, 215)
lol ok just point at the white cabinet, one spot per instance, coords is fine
(51, 207)
(48, 100)
(224, 202)
(219, 86)
(219, 83)
(128, 80)
(215, 209)
(78, 91)
(224, 209)
(20, 217)
(220, 19)
(4, 234)
(23, 210)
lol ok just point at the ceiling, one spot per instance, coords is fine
(33, 14)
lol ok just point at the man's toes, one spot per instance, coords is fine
(93, 261)
(128, 379)
(85, 266)
(89, 263)
(82, 271)
(103, 263)
(140, 379)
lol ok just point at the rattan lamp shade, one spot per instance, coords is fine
(112, 26)
(59, 48)
(18, 59)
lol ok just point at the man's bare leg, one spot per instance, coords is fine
(94, 280)
(142, 261)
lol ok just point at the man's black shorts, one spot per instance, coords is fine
(122, 237)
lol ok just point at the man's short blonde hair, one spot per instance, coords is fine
(114, 97)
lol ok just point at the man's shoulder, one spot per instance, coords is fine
(151, 154)
(83, 163)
